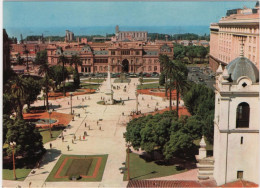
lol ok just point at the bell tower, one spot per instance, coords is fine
(236, 123)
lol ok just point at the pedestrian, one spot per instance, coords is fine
(122, 113)
(62, 138)
(83, 137)
(68, 103)
(72, 141)
(68, 147)
(79, 115)
(85, 97)
(100, 128)
(85, 125)
(97, 123)
(82, 100)
(50, 146)
(74, 137)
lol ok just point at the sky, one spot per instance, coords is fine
(135, 13)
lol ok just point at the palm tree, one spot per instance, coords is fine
(16, 88)
(165, 64)
(64, 60)
(45, 70)
(180, 82)
(75, 60)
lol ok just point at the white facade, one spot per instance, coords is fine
(235, 149)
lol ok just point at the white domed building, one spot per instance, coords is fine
(236, 123)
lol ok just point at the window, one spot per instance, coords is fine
(137, 53)
(239, 174)
(243, 112)
(149, 68)
(241, 140)
(155, 68)
(113, 53)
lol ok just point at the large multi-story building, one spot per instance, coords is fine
(226, 36)
(132, 57)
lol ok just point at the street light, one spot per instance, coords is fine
(71, 103)
(44, 96)
(128, 166)
(136, 94)
(50, 122)
(13, 144)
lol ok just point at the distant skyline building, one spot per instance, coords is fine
(69, 36)
(130, 35)
(225, 36)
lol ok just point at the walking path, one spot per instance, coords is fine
(109, 140)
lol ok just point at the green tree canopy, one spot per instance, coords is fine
(158, 132)
(26, 136)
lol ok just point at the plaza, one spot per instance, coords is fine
(105, 125)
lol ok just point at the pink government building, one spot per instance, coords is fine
(226, 36)
(132, 56)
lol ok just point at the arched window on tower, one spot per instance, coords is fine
(243, 112)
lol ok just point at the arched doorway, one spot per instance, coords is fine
(125, 65)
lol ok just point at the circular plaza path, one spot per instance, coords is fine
(109, 140)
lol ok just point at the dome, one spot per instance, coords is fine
(242, 66)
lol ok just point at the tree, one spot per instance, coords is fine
(141, 80)
(16, 88)
(41, 57)
(164, 63)
(75, 60)
(200, 102)
(19, 59)
(180, 74)
(179, 51)
(26, 146)
(161, 132)
(7, 122)
(57, 74)
(162, 79)
(201, 52)
(64, 60)
(8, 104)
(191, 53)
(45, 70)
(33, 89)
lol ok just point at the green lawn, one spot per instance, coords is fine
(95, 80)
(46, 134)
(70, 166)
(21, 174)
(140, 169)
(149, 86)
(89, 86)
(150, 80)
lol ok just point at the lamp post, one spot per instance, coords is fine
(44, 96)
(136, 94)
(50, 122)
(71, 103)
(13, 144)
(128, 166)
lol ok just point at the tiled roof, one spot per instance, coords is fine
(240, 183)
(164, 183)
(150, 53)
(103, 52)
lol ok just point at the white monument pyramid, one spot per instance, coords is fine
(109, 92)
